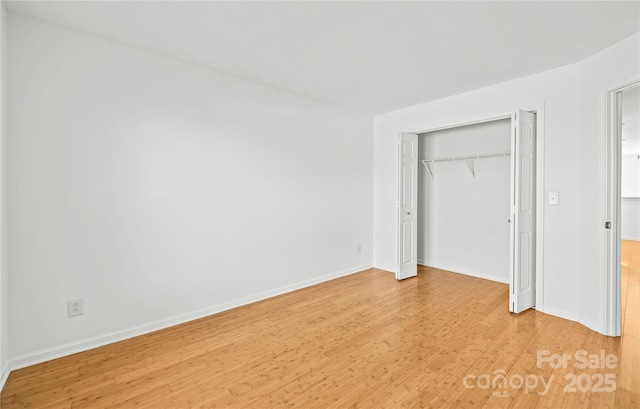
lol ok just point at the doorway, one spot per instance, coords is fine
(623, 204)
(521, 207)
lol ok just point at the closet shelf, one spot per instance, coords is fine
(469, 159)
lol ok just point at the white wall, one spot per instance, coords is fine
(630, 191)
(630, 180)
(612, 68)
(4, 282)
(557, 92)
(159, 191)
(573, 100)
(463, 220)
(630, 218)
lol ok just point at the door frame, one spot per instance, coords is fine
(613, 236)
(539, 110)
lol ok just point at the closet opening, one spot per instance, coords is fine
(467, 203)
(464, 189)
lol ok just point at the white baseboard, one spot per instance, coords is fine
(48, 354)
(591, 325)
(5, 374)
(560, 313)
(477, 274)
(391, 269)
(571, 316)
(630, 238)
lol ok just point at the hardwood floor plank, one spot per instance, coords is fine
(361, 341)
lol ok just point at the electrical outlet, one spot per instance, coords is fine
(75, 307)
(359, 248)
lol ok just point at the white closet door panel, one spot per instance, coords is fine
(522, 275)
(407, 206)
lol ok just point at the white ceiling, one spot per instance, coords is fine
(373, 57)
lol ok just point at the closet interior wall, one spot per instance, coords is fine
(463, 208)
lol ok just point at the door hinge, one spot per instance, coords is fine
(607, 225)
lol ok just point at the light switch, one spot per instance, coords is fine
(553, 198)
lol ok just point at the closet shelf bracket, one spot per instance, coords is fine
(470, 164)
(426, 165)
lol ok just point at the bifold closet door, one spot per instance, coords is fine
(523, 187)
(407, 206)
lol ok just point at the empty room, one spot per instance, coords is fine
(318, 204)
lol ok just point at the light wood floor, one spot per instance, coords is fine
(630, 314)
(362, 341)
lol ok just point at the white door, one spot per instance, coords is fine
(407, 206)
(522, 281)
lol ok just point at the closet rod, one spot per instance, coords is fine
(465, 157)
